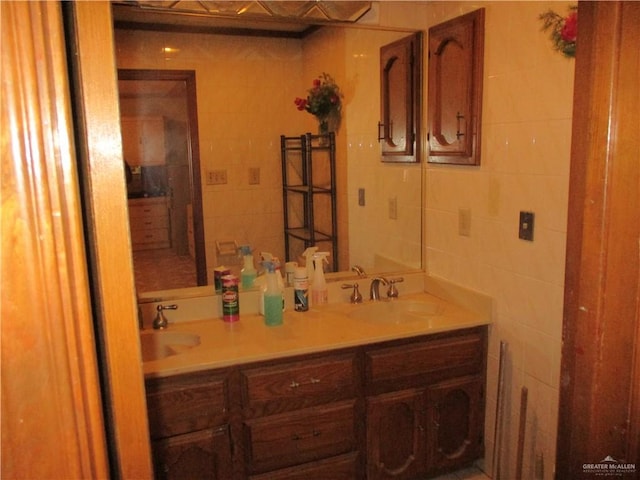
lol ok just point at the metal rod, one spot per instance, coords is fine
(521, 431)
(497, 434)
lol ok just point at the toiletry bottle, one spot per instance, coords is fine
(278, 268)
(272, 297)
(230, 299)
(300, 290)
(248, 273)
(308, 261)
(319, 289)
(268, 257)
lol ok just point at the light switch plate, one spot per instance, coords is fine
(464, 222)
(525, 229)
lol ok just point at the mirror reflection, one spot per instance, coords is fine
(245, 88)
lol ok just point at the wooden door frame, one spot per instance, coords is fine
(599, 383)
(89, 30)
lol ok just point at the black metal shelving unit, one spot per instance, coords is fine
(309, 195)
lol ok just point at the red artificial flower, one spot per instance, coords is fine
(569, 31)
(301, 103)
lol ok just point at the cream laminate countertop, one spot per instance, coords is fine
(322, 328)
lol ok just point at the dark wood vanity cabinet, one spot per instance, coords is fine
(398, 410)
(425, 405)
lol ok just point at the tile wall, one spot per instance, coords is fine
(527, 110)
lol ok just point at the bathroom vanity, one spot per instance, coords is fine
(331, 394)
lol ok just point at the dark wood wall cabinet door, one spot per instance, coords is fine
(456, 51)
(400, 99)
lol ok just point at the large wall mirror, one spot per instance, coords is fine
(245, 91)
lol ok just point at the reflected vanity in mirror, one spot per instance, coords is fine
(246, 85)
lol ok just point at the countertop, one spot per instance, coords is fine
(322, 328)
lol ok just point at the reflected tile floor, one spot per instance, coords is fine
(162, 269)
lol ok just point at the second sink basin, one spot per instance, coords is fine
(396, 311)
(161, 344)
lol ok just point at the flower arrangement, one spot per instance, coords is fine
(564, 30)
(324, 100)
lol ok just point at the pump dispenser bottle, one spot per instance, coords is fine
(272, 297)
(319, 289)
(248, 273)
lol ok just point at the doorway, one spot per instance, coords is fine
(160, 143)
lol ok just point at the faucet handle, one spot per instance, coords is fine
(161, 321)
(392, 292)
(356, 297)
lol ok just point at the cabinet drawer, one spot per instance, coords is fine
(154, 235)
(289, 439)
(426, 361)
(149, 223)
(342, 467)
(185, 403)
(149, 210)
(291, 386)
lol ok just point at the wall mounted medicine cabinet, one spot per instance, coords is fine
(456, 52)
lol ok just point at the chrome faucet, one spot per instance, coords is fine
(359, 270)
(161, 321)
(374, 290)
(356, 296)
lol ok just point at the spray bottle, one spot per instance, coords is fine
(319, 290)
(272, 297)
(308, 261)
(248, 273)
(268, 257)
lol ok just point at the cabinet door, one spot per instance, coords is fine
(395, 435)
(132, 146)
(400, 67)
(143, 141)
(204, 454)
(153, 140)
(455, 89)
(456, 416)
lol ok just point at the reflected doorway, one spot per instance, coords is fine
(160, 146)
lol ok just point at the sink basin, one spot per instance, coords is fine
(161, 344)
(396, 311)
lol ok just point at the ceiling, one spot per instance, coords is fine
(249, 17)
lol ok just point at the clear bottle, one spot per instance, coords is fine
(319, 289)
(248, 273)
(272, 297)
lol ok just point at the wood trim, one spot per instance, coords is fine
(52, 424)
(90, 36)
(600, 332)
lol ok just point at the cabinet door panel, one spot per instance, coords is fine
(455, 89)
(400, 73)
(395, 435)
(205, 454)
(456, 410)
